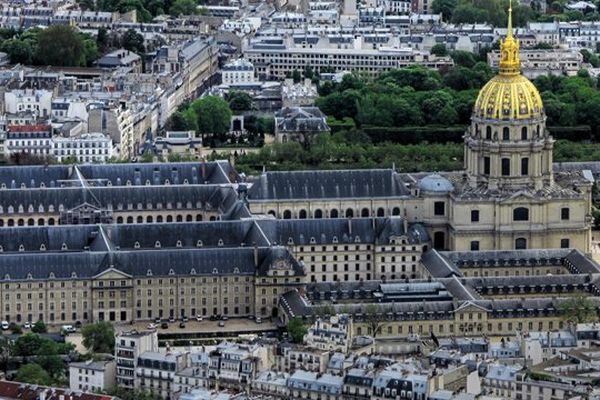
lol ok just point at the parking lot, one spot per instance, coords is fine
(233, 325)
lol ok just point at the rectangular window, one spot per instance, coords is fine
(439, 208)
(474, 215)
(475, 245)
(565, 213)
(524, 166)
(564, 243)
(505, 166)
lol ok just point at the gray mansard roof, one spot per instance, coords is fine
(34, 176)
(290, 185)
(136, 263)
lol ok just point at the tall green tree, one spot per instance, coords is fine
(214, 115)
(99, 337)
(183, 7)
(579, 310)
(133, 41)
(60, 45)
(33, 373)
(296, 329)
(444, 7)
(239, 101)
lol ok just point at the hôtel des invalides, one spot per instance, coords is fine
(492, 250)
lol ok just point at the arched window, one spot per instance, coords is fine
(524, 133)
(119, 220)
(287, 214)
(520, 244)
(365, 212)
(318, 214)
(11, 222)
(396, 211)
(349, 213)
(140, 219)
(179, 218)
(488, 133)
(30, 222)
(169, 218)
(149, 219)
(521, 214)
(380, 212)
(189, 218)
(21, 222)
(159, 219)
(41, 222)
(333, 213)
(506, 133)
(130, 220)
(51, 221)
(302, 214)
(199, 217)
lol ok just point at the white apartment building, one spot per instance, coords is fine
(92, 376)
(89, 147)
(536, 63)
(238, 72)
(28, 100)
(34, 139)
(128, 347)
(280, 57)
(155, 372)
(333, 334)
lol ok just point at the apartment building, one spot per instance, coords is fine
(128, 347)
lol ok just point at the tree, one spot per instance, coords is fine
(16, 329)
(463, 58)
(439, 50)
(374, 318)
(60, 45)
(578, 310)
(19, 51)
(296, 76)
(444, 7)
(183, 7)
(28, 344)
(99, 337)
(239, 101)
(90, 51)
(133, 41)
(53, 364)
(296, 330)
(214, 115)
(33, 373)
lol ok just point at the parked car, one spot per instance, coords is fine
(27, 325)
(182, 325)
(184, 319)
(164, 325)
(258, 320)
(68, 329)
(199, 318)
(5, 325)
(225, 318)
(171, 319)
(157, 321)
(221, 324)
(151, 327)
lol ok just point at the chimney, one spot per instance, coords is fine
(350, 226)
(405, 221)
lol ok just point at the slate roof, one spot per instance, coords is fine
(335, 184)
(212, 197)
(438, 265)
(160, 262)
(32, 176)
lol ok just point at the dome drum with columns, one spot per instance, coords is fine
(507, 145)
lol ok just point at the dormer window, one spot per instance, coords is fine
(199, 243)
(51, 275)
(21, 248)
(312, 240)
(43, 247)
(157, 244)
(171, 272)
(220, 242)
(63, 247)
(136, 245)
(29, 276)
(7, 277)
(178, 244)
(74, 275)
(290, 241)
(335, 239)
(193, 271)
(236, 270)
(149, 272)
(215, 271)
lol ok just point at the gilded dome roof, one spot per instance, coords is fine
(509, 95)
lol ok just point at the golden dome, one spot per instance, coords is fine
(509, 95)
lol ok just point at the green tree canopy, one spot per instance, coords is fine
(444, 7)
(60, 45)
(214, 115)
(439, 50)
(296, 330)
(183, 7)
(578, 310)
(239, 101)
(133, 41)
(99, 337)
(33, 373)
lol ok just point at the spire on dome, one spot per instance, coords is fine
(509, 49)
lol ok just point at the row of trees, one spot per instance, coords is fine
(58, 45)
(145, 10)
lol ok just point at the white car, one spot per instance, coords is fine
(151, 327)
(199, 318)
(27, 325)
(5, 325)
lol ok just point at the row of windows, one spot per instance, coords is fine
(522, 214)
(334, 213)
(506, 132)
(521, 244)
